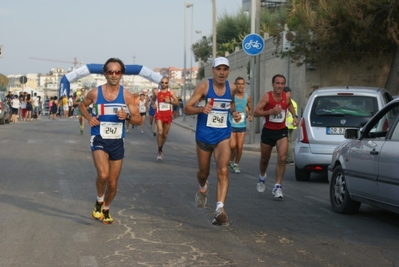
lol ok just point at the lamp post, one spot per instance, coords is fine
(214, 29)
(185, 53)
(191, 43)
(134, 61)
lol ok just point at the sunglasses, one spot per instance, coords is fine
(116, 72)
(164, 82)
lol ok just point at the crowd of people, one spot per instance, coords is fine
(24, 106)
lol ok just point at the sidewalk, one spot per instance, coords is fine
(190, 123)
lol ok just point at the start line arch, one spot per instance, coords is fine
(88, 69)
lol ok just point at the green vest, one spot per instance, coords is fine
(289, 119)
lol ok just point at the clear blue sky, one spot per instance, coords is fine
(95, 30)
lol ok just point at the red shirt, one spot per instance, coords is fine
(164, 109)
(276, 121)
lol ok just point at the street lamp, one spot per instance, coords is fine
(214, 29)
(185, 52)
(191, 44)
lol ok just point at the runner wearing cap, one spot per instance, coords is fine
(213, 101)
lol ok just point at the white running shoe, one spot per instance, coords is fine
(159, 157)
(236, 169)
(261, 184)
(277, 192)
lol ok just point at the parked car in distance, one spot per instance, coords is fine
(5, 111)
(328, 113)
(365, 167)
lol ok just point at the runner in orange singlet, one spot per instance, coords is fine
(163, 100)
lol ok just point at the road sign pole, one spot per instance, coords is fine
(253, 44)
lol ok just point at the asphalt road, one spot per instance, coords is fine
(47, 194)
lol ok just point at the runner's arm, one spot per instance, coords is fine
(133, 109)
(198, 94)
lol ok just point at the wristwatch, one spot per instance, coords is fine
(295, 116)
(128, 117)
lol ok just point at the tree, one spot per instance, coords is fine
(202, 49)
(3, 82)
(231, 30)
(336, 31)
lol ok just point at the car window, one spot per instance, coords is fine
(359, 106)
(395, 133)
(381, 124)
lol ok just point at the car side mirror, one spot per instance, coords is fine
(351, 134)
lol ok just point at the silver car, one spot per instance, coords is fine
(365, 167)
(5, 111)
(328, 113)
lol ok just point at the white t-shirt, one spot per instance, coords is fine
(35, 101)
(23, 104)
(15, 103)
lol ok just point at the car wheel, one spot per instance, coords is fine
(9, 119)
(3, 120)
(301, 175)
(339, 195)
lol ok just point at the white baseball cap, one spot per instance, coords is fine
(220, 61)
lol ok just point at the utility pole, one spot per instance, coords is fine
(255, 69)
(214, 29)
(134, 61)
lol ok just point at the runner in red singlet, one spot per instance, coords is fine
(162, 101)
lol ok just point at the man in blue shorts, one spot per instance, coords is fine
(243, 104)
(151, 114)
(113, 106)
(215, 98)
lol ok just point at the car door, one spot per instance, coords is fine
(363, 161)
(362, 167)
(388, 178)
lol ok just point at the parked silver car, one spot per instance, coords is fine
(328, 113)
(5, 111)
(365, 168)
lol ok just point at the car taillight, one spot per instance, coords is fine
(385, 126)
(303, 135)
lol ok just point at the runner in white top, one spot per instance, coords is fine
(142, 110)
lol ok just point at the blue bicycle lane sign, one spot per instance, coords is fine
(253, 44)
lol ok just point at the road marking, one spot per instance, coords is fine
(31, 141)
(88, 261)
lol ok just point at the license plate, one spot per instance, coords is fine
(335, 130)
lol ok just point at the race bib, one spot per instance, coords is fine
(111, 130)
(241, 119)
(277, 117)
(142, 109)
(164, 106)
(217, 119)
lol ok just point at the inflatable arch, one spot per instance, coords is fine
(98, 69)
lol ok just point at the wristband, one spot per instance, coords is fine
(295, 116)
(128, 117)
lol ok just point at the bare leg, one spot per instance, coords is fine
(107, 175)
(265, 153)
(222, 156)
(282, 146)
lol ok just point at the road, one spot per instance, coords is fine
(47, 193)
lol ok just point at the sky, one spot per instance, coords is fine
(143, 32)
